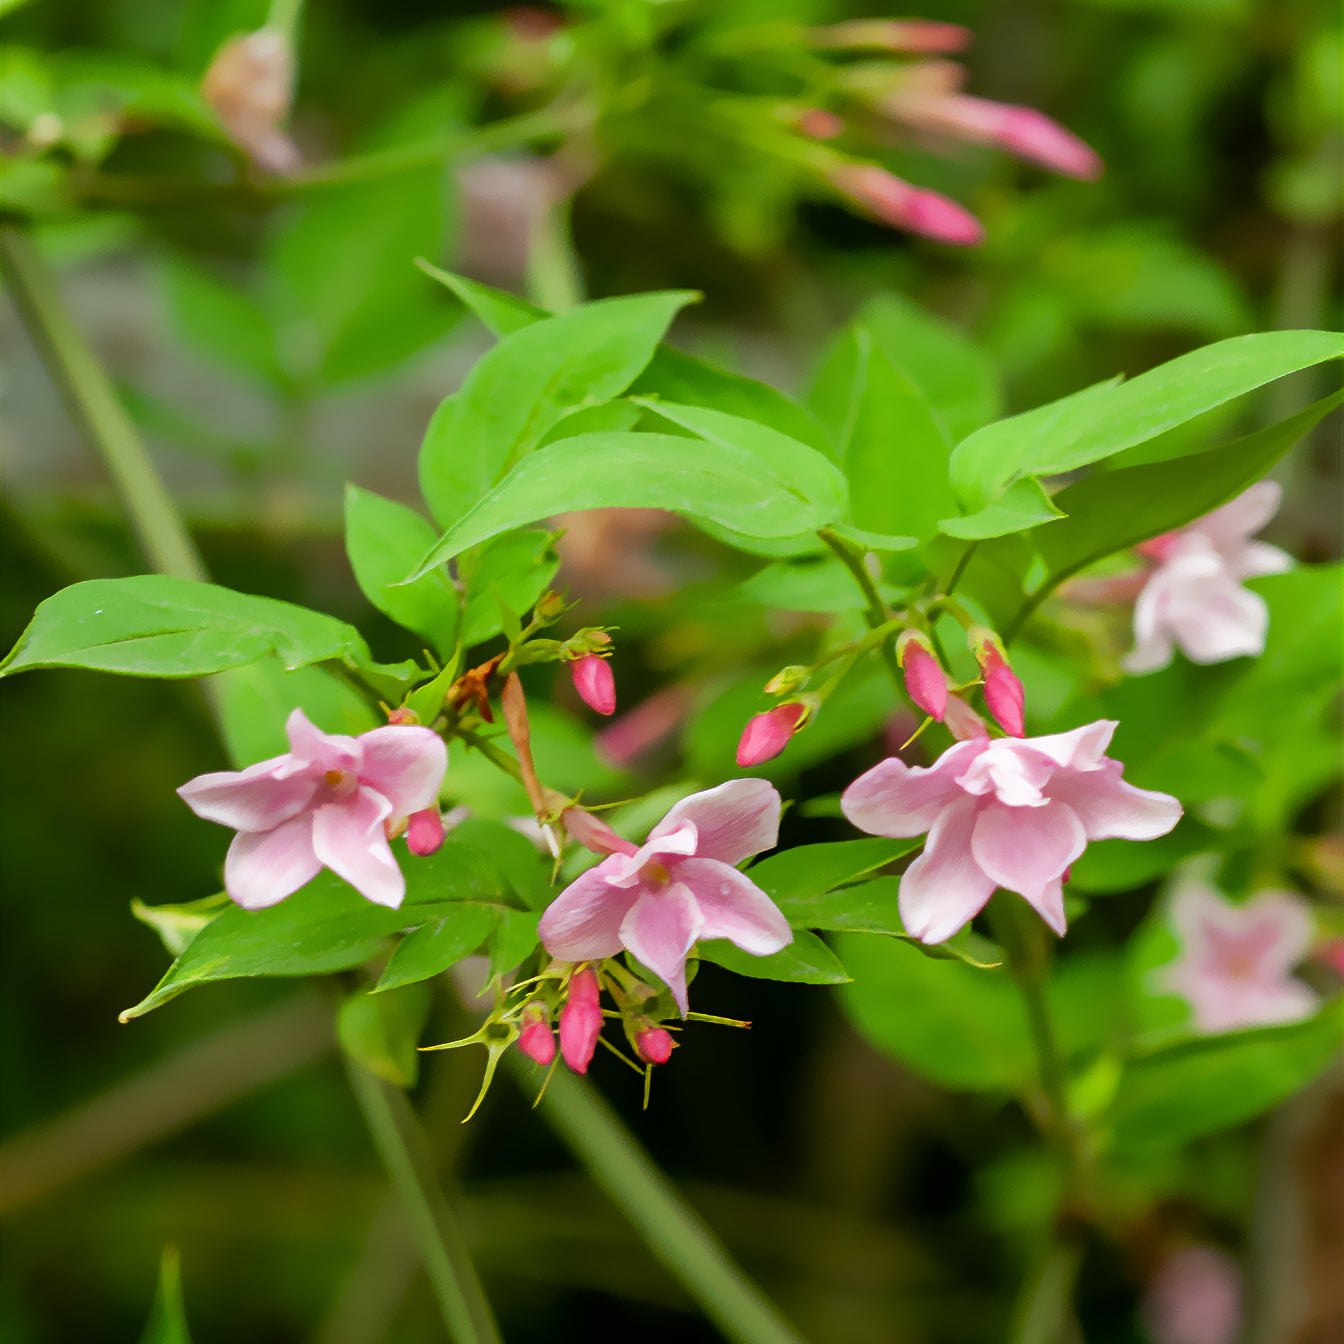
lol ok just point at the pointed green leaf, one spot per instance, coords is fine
(806, 961)
(1023, 505)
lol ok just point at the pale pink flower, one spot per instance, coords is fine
(581, 1020)
(330, 802)
(893, 201)
(1235, 959)
(1195, 1298)
(1002, 813)
(766, 735)
(925, 680)
(1194, 598)
(659, 900)
(594, 682)
(249, 85)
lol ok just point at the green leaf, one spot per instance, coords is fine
(154, 625)
(1172, 1096)
(806, 961)
(434, 947)
(381, 1031)
(1114, 510)
(819, 584)
(177, 925)
(1023, 505)
(650, 471)
(383, 539)
(168, 1317)
(1099, 421)
(807, 472)
(222, 321)
(797, 877)
(501, 312)
(516, 392)
(514, 939)
(514, 569)
(619, 414)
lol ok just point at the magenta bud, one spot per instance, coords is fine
(766, 735)
(654, 1045)
(1004, 697)
(896, 203)
(962, 721)
(403, 717)
(594, 682)
(580, 1021)
(424, 833)
(536, 1039)
(925, 681)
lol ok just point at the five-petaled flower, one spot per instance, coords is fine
(1006, 812)
(330, 802)
(1235, 959)
(681, 886)
(1194, 598)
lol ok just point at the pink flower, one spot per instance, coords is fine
(581, 1021)
(1002, 813)
(594, 682)
(895, 202)
(536, 1039)
(1234, 962)
(331, 802)
(657, 901)
(1195, 1298)
(1194, 598)
(925, 681)
(766, 735)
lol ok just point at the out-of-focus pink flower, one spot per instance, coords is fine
(925, 680)
(1194, 598)
(766, 735)
(425, 832)
(1003, 813)
(681, 886)
(581, 1020)
(1194, 1298)
(594, 682)
(330, 802)
(912, 35)
(895, 202)
(644, 727)
(1235, 959)
(963, 722)
(536, 1039)
(249, 85)
(654, 1045)
(1004, 696)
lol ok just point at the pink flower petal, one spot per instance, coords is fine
(1079, 749)
(732, 822)
(1110, 809)
(256, 799)
(902, 801)
(1218, 619)
(945, 888)
(1231, 525)
(309, 745)
(405, 765)
(583, 923)
(1012, 772)
(1028, 850)
(624, 870)
(732, 906)
(660, 929)
(348, 838)
(265, 867)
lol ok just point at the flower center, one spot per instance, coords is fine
(656, 873)
(340, 782)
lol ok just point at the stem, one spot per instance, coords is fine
(960, 569)
(876, 614)
(92, 402)
(1043, 1314)
(401, 1145)
(673, 1232)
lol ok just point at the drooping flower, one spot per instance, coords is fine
(1235, 959)
(331, 802)
(1194, 598)
(659, 900)
(594, 682)
(1003, 813)
(766, 735)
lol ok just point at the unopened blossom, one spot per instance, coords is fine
(330, 802)
(1002, 813)
(1235, 962)
(680, 886)
(766, 735)
(925, 680)
(594, 682)
(654, 1045)
(249, 85)
(581, 1020)
(1194, 599)
(536, 1039)
(893, 201)
(425, 832)
(1004, 696)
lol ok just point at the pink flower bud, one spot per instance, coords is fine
(403, 717)
(594, 682)
(580, 1021)
(537, 1040)
(925, 681)
(654, 1045)
(424, 833)
(894, 35)
(594, 833)
(766, 735)
(1004, 697)
(962, 721)
(818, 124)
(896, 203)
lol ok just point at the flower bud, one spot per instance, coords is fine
(594, 833)
(594, 682)
(580, 1021)
(925, 682)
(896, 203)
(550, 606)
(817, 123)
(654, 1045)
(424, 833)
(249, 86)
(914, 35)
(403, 717)
(766, 735)
(536, 1039)
(962, 721)
(787, 680)
(1004, 697)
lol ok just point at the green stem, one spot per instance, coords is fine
(876, 612)
(401, 1145)
(1043, 1314)
(673, 1232)
(92, 402)
(960, 569)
